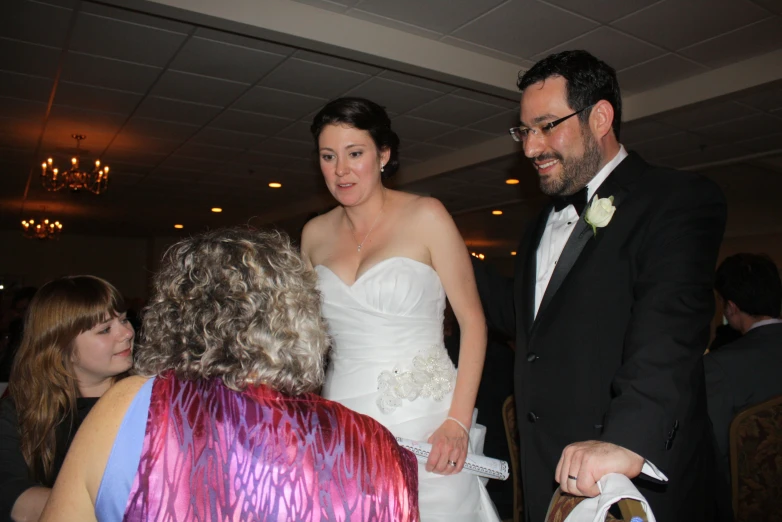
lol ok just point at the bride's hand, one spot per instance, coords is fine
(449, 445)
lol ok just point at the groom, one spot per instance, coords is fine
(611, 303)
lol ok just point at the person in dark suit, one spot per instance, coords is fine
(747, 371)
(610, 304)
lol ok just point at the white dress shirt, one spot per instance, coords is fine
(559, 227)
(556, 234)
(764, 323)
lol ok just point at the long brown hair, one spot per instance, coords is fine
(42, 383)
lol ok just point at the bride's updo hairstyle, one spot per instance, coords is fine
(365, 115)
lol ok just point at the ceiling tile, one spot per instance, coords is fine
(96, 98)
(17, 140)
(765, 98)
(505, 103)
(519, 60)
(177, 161)
(774, 6)
(339, 63)
(98, 128)
(498, 125)
(462, 138)
(278, 103)
(250, 122)
(136, 17)
(22, 109)
(226, 138)
(159, 129)
(409, 128)
(669, 145)
(225, 61)
(198, 89)
(418, 81)
(176, 111)
(704, 114)
(708, 155)
(393, 24)
(134, 156)
(424, 151)
(524, 28)
(616, 49)
(35, 22)
(732, 131)
(604, 11)
(26, 58)
(456, 111)
(750, 41)
(312, 79)
(638, 131)
(24, 86)
(244, 41)
(674, 24)
(110, 38)
(654, 73)
(337, 7)
(394, 96)
(441, 16)
(104, 72)
(764, 144)
(284, 147)
(297, 131)
(200, 150)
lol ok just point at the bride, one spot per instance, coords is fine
(386, 261)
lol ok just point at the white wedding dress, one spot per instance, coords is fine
(388, 361)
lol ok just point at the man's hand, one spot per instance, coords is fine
(590, 461)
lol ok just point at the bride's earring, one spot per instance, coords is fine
(381, 168)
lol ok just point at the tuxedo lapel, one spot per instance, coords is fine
(529, 274)
(618, 185)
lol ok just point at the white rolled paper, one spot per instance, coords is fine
(475, 464)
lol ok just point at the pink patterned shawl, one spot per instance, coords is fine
(211, 453)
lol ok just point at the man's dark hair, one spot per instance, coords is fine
(589, 80)
(752, 282)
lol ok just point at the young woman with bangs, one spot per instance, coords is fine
(77, 343)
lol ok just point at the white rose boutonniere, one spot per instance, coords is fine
(600, 212)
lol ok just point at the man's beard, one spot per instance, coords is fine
(576, 172)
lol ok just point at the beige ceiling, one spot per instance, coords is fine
(198, 103)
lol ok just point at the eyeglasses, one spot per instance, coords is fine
(521, 134)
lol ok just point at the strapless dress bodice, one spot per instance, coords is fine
(397, 303)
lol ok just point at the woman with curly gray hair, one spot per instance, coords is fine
(220, 423)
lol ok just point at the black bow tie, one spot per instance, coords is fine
(578, 200)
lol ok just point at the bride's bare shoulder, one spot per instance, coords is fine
(424, 208)
(317, 228)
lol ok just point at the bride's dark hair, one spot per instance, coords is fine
(362, 114)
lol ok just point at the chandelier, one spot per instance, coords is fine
(75, 179)
(42, 230)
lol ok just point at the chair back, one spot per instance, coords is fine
(512, 434)
(756, 462)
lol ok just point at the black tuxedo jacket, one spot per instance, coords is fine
(615, 351)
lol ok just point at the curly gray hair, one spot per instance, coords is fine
(239, 304)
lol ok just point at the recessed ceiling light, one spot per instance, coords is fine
(481, 256)
(512, 181)
(179, 226)
(513, 252)
(274, 184)
(496, 212)
(217, 210)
